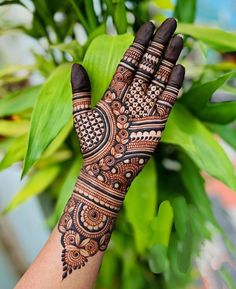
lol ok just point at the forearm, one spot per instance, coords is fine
(78, 241)
(46, 271)
(72, 246)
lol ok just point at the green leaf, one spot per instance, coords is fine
(198, 98)
(185, 11)
(51, 113)
(35, 185)
(181, 215)
(142, 196)
(59, 139)
(101, 29)
(162, 225)
(101, 66)
(228, 279)
(157, 260)
(13, 127)
(220, 112)
(194, 184)
(66, 190)
(119, 17)
(199, 95)
(19, 101)
(73, 48)
(184, 130)
(108, 270)
(15, 152)
(185, 254)
(218, 39)
(226, 132)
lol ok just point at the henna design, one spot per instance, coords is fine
(117, 137)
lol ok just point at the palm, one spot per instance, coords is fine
(119, 135)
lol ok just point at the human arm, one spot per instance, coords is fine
(117, 138)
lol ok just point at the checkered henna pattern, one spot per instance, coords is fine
(118, 136)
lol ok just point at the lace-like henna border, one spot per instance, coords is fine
(86, 226)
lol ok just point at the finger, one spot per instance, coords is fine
(129, 63)
(168, 97)
(151, 57)
(169, 59)
(80, 89)
(161, 77)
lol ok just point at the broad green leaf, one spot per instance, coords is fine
(19, 101)
(184, 130)
(51, 155)
(142, 196)
(51, 113)
(220, 112)
(157, 258)
(198, 100)
(15, 152)
(162, 225)
(35, 185)
(54, 159)
(185, 11)
(180, 215)
(194, 184)
(197, 97)
(59, 139)
(66, 190)
(13, 127)
(226, 132)
(218, 39)
(101, 66)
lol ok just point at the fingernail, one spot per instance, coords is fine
(180, 35)
(152, 21)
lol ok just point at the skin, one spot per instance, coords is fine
(46, 270)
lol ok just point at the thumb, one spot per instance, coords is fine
(80, 89)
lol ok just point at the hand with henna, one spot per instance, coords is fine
(118, 136)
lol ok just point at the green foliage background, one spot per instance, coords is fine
(167, 212)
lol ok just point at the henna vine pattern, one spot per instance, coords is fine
(117, 137)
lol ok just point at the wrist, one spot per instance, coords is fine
(95, 192)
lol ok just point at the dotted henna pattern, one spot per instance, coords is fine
(117, 137)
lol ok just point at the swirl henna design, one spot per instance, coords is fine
(117, 137)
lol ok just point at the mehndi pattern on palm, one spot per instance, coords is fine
(117, 137)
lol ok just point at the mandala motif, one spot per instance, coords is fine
(85, 230)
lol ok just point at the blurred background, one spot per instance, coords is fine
(177, 228)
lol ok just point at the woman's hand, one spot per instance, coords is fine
(118, 136)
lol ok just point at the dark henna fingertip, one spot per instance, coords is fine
(145, 33)
(177, 76)
(174, 49)
(79, 78)
(165, 31)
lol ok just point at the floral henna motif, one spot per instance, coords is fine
(117, 138)
(85, 229)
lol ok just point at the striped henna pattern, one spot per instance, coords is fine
(117, 137)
